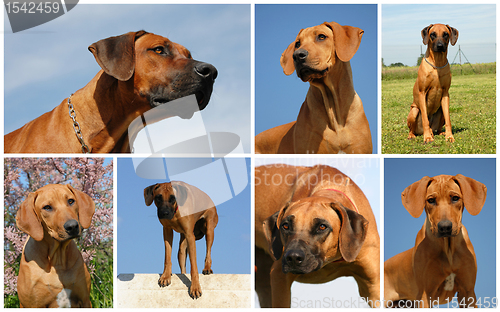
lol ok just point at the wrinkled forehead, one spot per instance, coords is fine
(310, 207)
(312, 32)
(163, 187)
(439, 29)
(53, 194)
(443, 183)
(149, 41)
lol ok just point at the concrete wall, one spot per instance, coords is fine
(218, 291)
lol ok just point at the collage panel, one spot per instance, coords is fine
(438, 79)
(316, 232)
(432, 244)
(329, 105)
(118, 61)
(165, 205)
(58, 238)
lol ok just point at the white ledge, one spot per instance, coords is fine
(218, 291)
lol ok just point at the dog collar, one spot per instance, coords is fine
(355, 208)
(76, 126)
(435, 66)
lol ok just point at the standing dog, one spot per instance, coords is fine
(332, 118)
(140, 71)
(190, 212)
(430, 109)
(52, 273)
(312, 225)
(442, 262)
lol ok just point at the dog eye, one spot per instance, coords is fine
(297, 44)
(285, 226)
(71, 201)
(433, 35)
(321, 37)
(431, 200)
(159, 50)
(47, 208)
(455, 198)
(322, 227)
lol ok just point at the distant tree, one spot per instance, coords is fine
(419, 60)
(398, 64)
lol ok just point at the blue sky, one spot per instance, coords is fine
(402, 24)
(278, 97)
(365, 172)
(46, 64)
(140, 246)
(401, 228)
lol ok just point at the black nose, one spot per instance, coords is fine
(300, 55)
(206, 70)
(72, 227)
(294, 257)
(445, 228)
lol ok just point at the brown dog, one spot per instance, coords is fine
(312, 225)
(442, 262)
(140, 71)
(190, 212)
(52, 273)
(430, 109)
(332, 118)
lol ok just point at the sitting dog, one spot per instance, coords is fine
(190, 212)
(52, 273)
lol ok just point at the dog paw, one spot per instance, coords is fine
(450, 138)
(411, 136)
(207, 271)
(165, 280)
(428, 139)
(195, 291)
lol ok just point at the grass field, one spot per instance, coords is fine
(472, 113)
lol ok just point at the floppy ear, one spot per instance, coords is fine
(454, 35)
(148, 194)
(181, 194)
(86, 207)
(27, 220)
(474, 193)
(286, 59)
(413, 197)
(272, 232)
(352, 231)
(347, 40)
(116, 55)
(425, 34)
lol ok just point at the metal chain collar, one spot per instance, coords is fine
(435, 66)
(76, 127)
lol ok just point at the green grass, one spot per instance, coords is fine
(393, 73)
(101, 292)
(472, 113)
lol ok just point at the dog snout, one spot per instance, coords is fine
(72, 228)
(295, 258)
(205, 70)
(445, 228)
(440, 46)
(300, 55)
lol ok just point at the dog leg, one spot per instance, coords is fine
(195, 289)
(209, 237)
(166, 277)
(182, 254)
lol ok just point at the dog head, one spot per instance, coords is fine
(312, 232)
(162, 70)
(437, 36)
(444, 197)
(56, 210)
(167, 198)
(317, 49)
